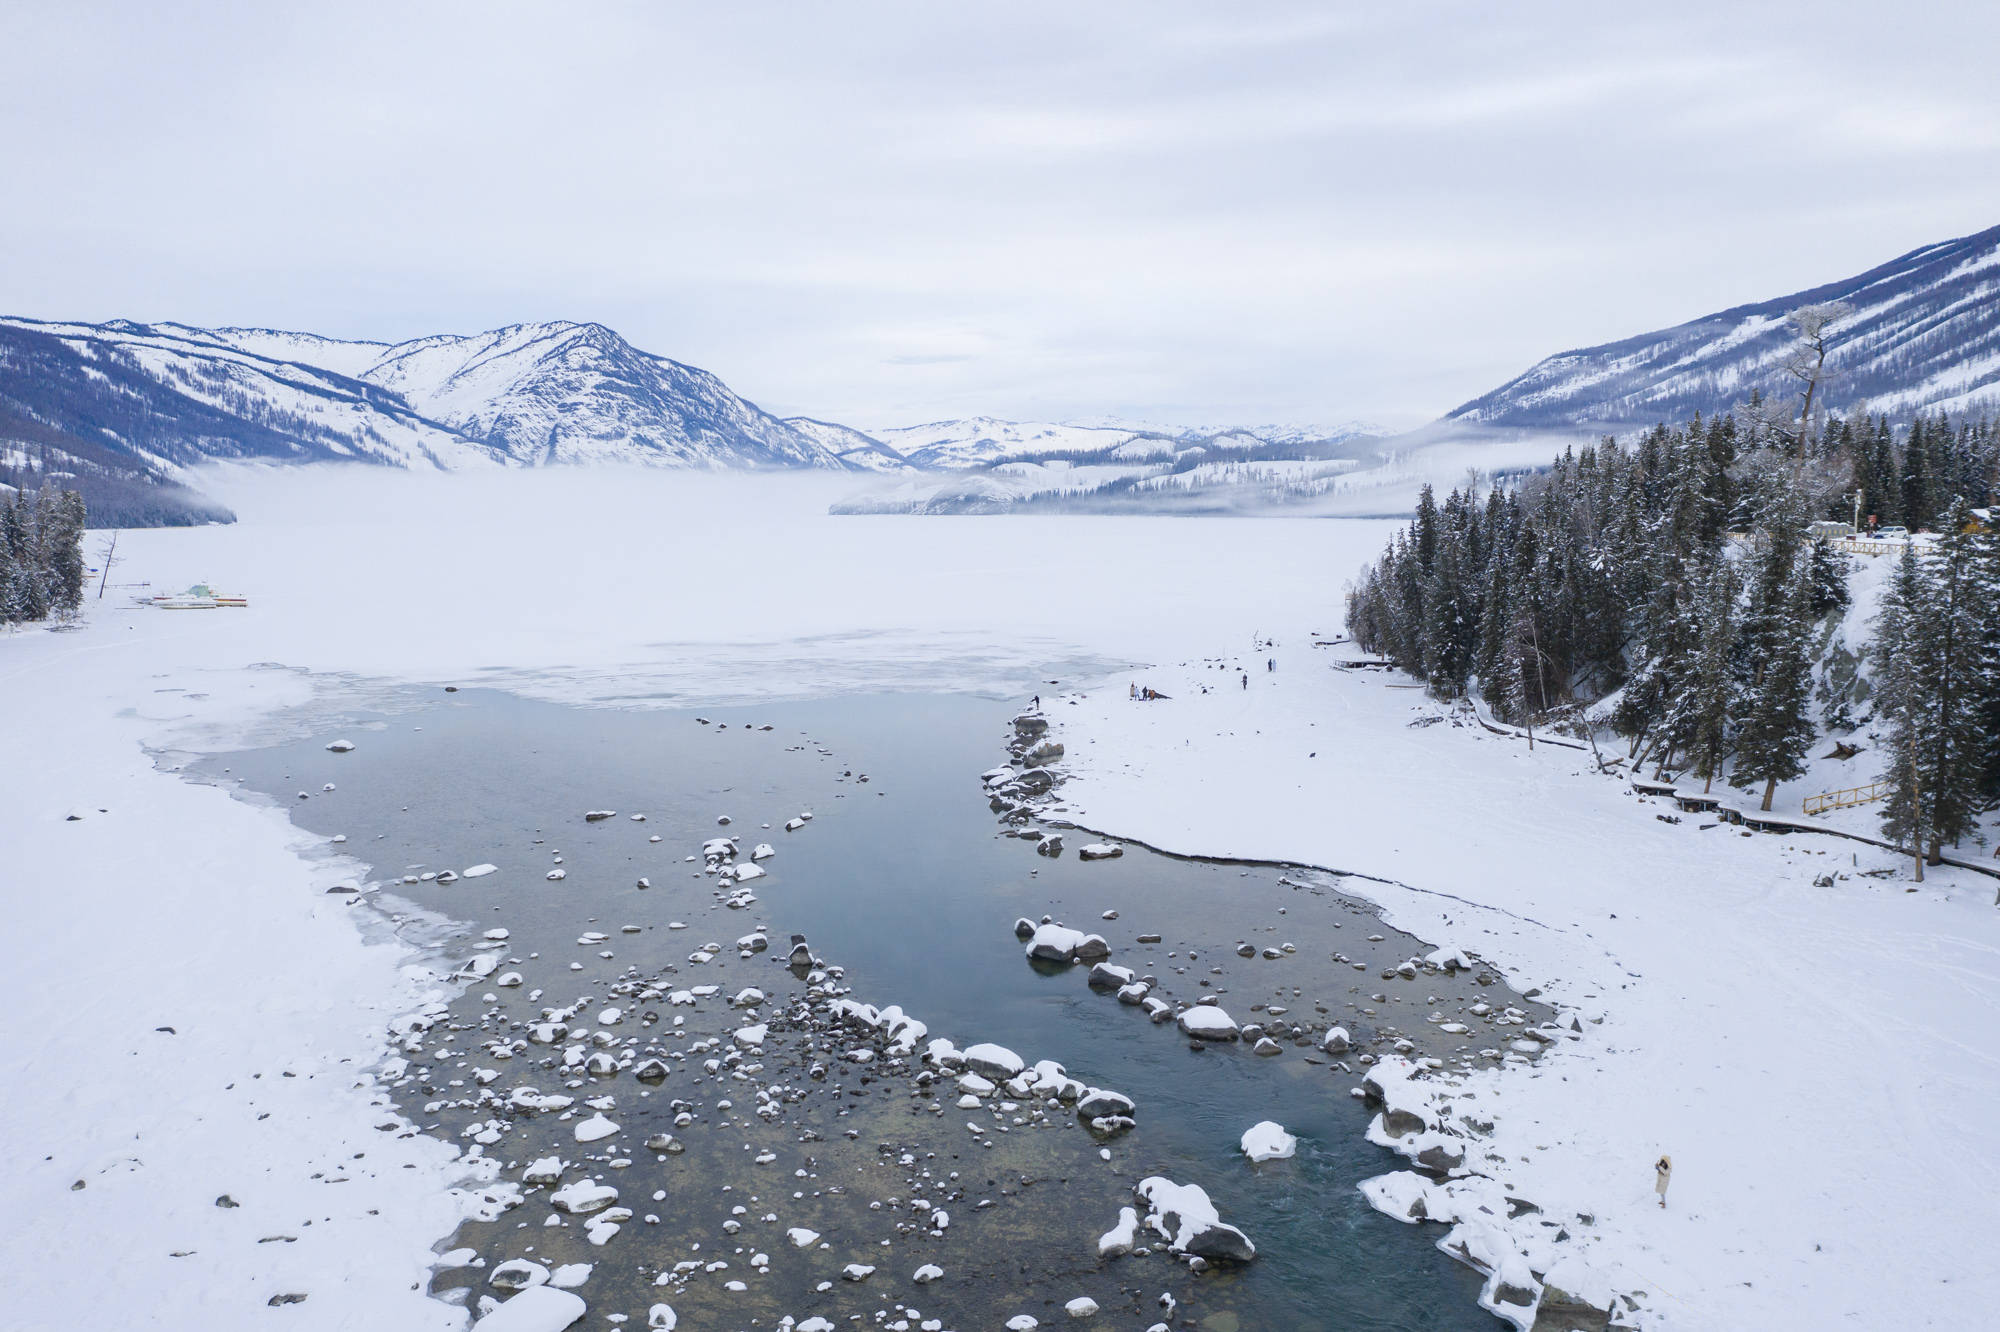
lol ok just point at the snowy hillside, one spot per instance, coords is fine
(573, 393)
(1924, 335)
(857, 451)
(979, 441)
(995, 466)
(173, 396)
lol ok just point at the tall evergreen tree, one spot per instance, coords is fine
(1706, 706)
(1901, 705)
(1451, 618)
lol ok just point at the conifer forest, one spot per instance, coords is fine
(41, 554)
(1682, 590)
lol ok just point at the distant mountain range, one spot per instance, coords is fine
(1924, 335)
(123, 408)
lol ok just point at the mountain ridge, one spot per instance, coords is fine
(1923, 336)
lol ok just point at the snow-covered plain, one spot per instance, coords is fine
(1820, 1062)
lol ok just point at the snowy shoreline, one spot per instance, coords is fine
(1239, 772)
(1430, 1113)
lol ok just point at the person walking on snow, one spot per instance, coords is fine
(1246, 679)
(1663, 1170)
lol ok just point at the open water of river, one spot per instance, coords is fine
(907, 895)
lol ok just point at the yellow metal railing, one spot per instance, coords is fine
(1853, 795)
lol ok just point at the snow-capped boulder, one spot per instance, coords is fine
(583, 1197)
(1055, 943)
(1268, 1141)
(1448, 959)
(1184, 1216)
(1405, 1105)
(1207, 1022)
(1097, 1102)
(1575, 1294)
(1101, 851)
(1042, 752)
(595, 1128)
(536, 1309)
(1121, 1238)
(517, 1274)
(1104, 976)
(995, 1061)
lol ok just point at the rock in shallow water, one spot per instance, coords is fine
(1207, 1022)
(536, 1309)
(1268, 1141)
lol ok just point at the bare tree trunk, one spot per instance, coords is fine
(1770, 788)
(1916, 817)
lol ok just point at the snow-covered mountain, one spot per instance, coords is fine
(857, 451)
(172, 395)
(984, 465)
(1924, 335)
(985, 441)
(979, 441)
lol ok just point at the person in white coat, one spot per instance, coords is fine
(1663, 1170)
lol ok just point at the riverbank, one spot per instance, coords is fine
(1812, 1056)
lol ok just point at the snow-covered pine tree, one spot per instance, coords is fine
(1776, 730)
(1711, 689)
(1919, 489)
(1953, 637)
(1986, 575)
(1932, 684)
(1826, 579)
(1884, 500)
(64, 520)
(1451, 617)
(29, 593)
(1902, 707)
(7, 568)
(1424, 530)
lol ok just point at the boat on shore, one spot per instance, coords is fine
(198, 597)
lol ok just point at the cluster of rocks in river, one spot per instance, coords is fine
(536, 1089)
(1020, 792)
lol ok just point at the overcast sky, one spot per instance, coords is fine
(885, 214)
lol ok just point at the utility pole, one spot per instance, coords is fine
(110, 558)
(1856, 527)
